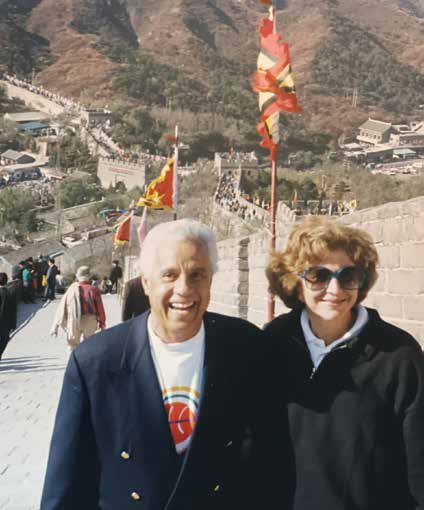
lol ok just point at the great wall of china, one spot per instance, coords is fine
(240, 286)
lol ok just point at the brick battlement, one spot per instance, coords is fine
(240, 286)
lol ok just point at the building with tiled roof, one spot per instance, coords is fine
(11, 157)
(374, 132)
(23, 117)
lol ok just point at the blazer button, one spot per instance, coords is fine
(229, 443)
(125, 455)
(136, 496)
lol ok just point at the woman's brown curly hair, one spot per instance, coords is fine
(308, 244)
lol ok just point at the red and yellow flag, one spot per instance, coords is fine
(161, 192)
(274, 83)
(123, 232)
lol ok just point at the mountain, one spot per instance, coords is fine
(414, 7)
(199, 54)
(20, 47)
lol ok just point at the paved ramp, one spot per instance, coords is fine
(31, 374)
(35, 101)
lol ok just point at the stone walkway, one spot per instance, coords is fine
(31, 373)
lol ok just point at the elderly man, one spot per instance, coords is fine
(80, 312)
(153, 412)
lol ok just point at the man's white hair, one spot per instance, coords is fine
(172, 231)
(83, 274)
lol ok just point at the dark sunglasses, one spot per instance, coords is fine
(349, 277)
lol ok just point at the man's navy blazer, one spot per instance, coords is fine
(112, 448)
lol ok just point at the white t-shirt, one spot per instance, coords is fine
(317, 347)
(179, 367)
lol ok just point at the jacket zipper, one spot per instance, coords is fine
(303, 346)
(338, 348)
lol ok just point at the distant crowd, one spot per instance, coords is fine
(102, 133)
(38, 277)
(229, 196)
(69, 105)
(41, 278)
(234, 156)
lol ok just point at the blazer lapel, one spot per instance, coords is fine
(207, 395)
(212, 380)
(144, 423)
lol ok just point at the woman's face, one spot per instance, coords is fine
(331, 303)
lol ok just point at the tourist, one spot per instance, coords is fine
(80, 312)
(50, 280)
(115, 275)
(27, 293)
(104, 285)
(60, 283)
(7, 313)
(355, 382)
(43, 267)
(129, 429)
(134, 299)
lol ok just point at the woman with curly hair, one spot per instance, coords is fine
(355, 383)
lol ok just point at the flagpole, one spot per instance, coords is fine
(176, 172)
(128, 266)
(272, 214)
(129, 251)
(273, 208)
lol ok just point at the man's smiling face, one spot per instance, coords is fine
(179, 289)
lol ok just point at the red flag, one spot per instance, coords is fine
(171, 138)
(274, 83)
(123, 232)
(161, 192)
(266, 25)
(265, 129)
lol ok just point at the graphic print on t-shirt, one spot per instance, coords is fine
(181, 406)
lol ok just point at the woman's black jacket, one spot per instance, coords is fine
(357, 423)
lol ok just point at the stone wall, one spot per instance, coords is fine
(33, 100)
(240, 286)
(227, 224)
(230, 288)
(398, 231)
(71, 213)
(111, 171)
(95, 253)
(93, 145)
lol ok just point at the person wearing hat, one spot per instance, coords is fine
(80, 312)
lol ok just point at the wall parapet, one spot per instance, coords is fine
(240, 286)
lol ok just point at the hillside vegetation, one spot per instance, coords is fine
(227, 90)
(196, 56)
(335, 182)
(354, 57)
(20, 49)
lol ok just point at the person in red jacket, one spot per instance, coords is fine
(80, 312)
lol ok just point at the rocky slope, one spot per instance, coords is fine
(77, 44)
